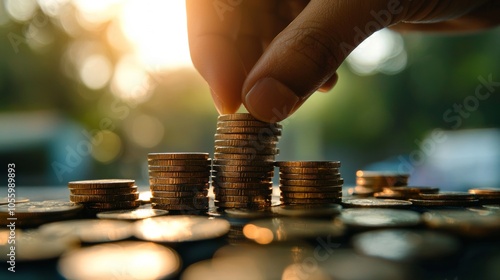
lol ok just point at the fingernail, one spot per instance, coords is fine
(219, 104)
(271, 101)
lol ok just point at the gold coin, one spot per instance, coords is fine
(309, 164)
(485, 191)
(103, 198)
(244, 198)
(298, 176)
(308, 170)
(165, 174)
(250, 205)
(179, 188)
(319, 195)
(381, 182)
(243, 169)
(186, 208)
(239, 192)
(244, 143)
(380, 174)
(113, 205)
(227, 185)
(179, 194)
(108, 191)
(178, 181)
(248, 137)
(248, 123)
(448, 196)
(179, 162)
(447, 202)
(179, 200)
(243, 174)
(312, 183)
(252, 157)
(306, 189)
(183, 156)
(179, 168)
(241, 163)
(241, 179)
(288, 200)
(236, 117)
(101, 184)
(247, 150)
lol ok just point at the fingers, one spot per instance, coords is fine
(306, 54)
(212, 32)
(328, 85)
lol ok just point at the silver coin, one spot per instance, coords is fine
(378, 218)
(90, 231)
(135, 214)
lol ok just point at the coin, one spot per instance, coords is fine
(179, 168)
(135, 214)
(101, 184)
(298, 176)
(448, 196)
(227, 185)
(179, 188)
(104, 198)
(245, 199)
(178, 200)
(380, 174)
(464, 222)
(119, 260)
(196, 207)
(219, 156)
(363, 191)
(178, 180)
(266, 131)
(376, 203)
(31, 246)
(243, 169)
(107, 191)
(404, 245)
(261, 138)
(288, 229)
(188, 155)
(307, 210)
(90, 231)
(250, 192)
(447, 202)
(178, 194)
(378, 218)
(5, 200)
(251, 205)
(300, 195)
(101, 206)
(288, 200)
(38, 212)
(309, 164)
(241, 179)
(244, 213)
(246, 150)
(179, 162)
(308, 170)
(309, 189)
(244, 143)
(182, 228)
(236, 117)
(247, 123)
(245, 174)
(485, 191)
(382, 182)
(311, 183)
(240, 163)
(163, 174)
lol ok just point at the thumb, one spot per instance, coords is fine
(307, 53)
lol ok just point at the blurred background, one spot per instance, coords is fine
(89, 87)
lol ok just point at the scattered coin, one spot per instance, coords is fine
(120, 260)
(245, 213)
(307, 210)
(404, 245)
(448, 196)
(175, 229)
(446, 202)
(35, 213)
(135, 214)
(364, 218)
(376, 203)
(90, 231)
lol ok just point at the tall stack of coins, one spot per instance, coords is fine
(243, 165)
(310, 182)
(179, 181)
(370, 182)
(105, 194)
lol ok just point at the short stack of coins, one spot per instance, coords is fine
(487, 196)
(179, 181)
(405, 192)
(310, 182)
(105, 194)
(243, 165)
(370, 182)
(447, 199)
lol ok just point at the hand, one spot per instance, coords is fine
(271, 55)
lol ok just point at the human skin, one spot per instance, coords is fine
(272, 55)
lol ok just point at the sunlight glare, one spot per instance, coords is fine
(157, 31)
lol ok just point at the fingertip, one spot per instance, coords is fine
(270, 100)
(329, 84)
(228, 106)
